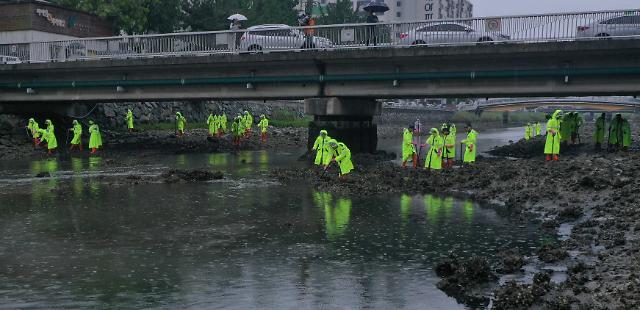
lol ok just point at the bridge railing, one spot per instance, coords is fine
(601, 25)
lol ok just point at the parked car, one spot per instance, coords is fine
(628, 25)
(449, 32)
(278, 37)
(9, 60)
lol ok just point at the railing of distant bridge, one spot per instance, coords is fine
(601, 25)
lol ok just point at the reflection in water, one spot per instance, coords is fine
(263, 160)
(181, 161)
(78, 182)
(244, 160)
(405, 207)
(433, 206)
(43, 189)
(468, 210)
(218, 159)
(336, 217)
(95, 163)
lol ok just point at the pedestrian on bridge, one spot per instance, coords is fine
(599, 133)
(342, 157)
(263, 125)
(409, 148)
(129, 119)
(552, 144)
(470, 145)
(76, 142)
(95, 137)
(372, 31)
(324, 152)
(181, 122)
(34, 130)
(433, 160)
(305, 20)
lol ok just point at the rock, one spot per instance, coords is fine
(43, 175)
(175, 175)
(551, 253)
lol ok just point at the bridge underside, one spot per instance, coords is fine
(498, 70)
(581, 107)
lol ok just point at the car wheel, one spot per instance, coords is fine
(603, 36)
(419, 42)
(255, 48)
(305, 46)
(485, 39)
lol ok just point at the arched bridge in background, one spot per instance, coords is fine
(578, 104)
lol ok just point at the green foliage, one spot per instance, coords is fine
(288, 118)
(340, 12)
(169, 126)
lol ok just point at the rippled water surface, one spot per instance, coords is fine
(75, 240)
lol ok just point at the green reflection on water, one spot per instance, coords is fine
(433, 208)
(95, 163)
(218, 159)
(336, 217)
(44, 190)
(405, 207)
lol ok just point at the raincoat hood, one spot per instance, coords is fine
(75, 121)
(557, 113)
(333, 143)
(323, 132)
(434, 131)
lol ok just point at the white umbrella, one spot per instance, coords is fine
(237, 17)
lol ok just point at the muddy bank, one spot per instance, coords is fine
(598, 193)
(157, 142)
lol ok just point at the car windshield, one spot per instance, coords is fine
(443, 27)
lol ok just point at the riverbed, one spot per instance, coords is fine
(70, 238)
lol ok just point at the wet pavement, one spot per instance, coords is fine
(68, 239)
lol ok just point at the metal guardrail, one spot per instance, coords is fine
(598, 25)
(501, 102)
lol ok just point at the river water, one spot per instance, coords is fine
(73, 240)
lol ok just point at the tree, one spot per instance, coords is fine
(340, 12)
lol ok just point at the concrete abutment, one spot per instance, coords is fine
(348, 120)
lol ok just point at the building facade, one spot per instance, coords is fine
(36, 21)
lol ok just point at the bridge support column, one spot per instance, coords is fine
(348, 120)
(505, 118)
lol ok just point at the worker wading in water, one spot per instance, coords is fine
(76, 142)
(95, 138)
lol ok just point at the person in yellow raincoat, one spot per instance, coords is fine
(95, 138)
(527, 132)
(449, 149)
(34, 131)
(538, 129)
(211, 124)
(181, 121)
(324, 153)
(49, 135)
(76, 142)
(470, 144)
(342, 157)
(129, 119)
(263, 124)
(552, 144)
(408, 148)
(433, 158)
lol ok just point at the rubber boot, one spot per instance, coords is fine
(49, 152)
(415, 161)
(93, 150)
(548, 157)
(555, 157)
(80, 147)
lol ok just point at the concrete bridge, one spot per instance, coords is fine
(578, 104)
(340, 83)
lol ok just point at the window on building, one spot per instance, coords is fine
(428, 16)
(399, 3)
(398, 14)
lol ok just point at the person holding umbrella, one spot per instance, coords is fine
(376, 6)
(236, 24)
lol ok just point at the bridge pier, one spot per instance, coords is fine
(348, 120)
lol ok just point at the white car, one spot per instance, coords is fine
(448, 32)
(9, 60)
(628, 25)
(278, 37)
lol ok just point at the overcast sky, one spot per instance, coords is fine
(521, 7)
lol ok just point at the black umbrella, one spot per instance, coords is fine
(376, 6)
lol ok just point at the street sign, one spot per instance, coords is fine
(493, 24)
(347, 35)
